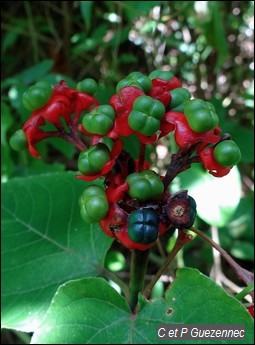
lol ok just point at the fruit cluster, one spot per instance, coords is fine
(134, 204)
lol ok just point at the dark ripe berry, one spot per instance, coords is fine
(143, 226)
(181, 210)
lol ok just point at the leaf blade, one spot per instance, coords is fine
(36, 261)
(90, 311)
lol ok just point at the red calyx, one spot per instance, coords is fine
(251, 310)
(184, 135)
(63, 103)
(158, 92)
(122, 103)
(210, 163)
(167, 85)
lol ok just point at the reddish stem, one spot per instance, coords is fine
(246, 276)
(182, 239)
(72, 137)
(141, 157)
(180, 161)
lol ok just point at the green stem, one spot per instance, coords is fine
(138, 266)
(247, 290)
(117, 280)
(32, 30)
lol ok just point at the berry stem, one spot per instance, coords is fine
(180, 161)
(138, 266)
(182, 239)
(73, 138)
(141, 157)
(117, 280)
(247, 290)
(246, 276)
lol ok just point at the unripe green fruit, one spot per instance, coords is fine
(135, 79)
(92, 160)
(18, 140)
(146, 115)
(37, 96)
(88, 86)
(227, 153)
(94, 205)
(100, 120)
(158, 74)
(145, 185)
(180, 97)
(201, 115)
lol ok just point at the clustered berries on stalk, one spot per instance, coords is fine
(134, 204)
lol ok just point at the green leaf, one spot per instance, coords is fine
(192, 298)
(55, 78)
(38, 166)
(212, 25)
(105, 92)
(237, 236)
(158, 289)
(127, 58)
(35, 73)
(216, 198)
(92, 42)
(15, 96)
(67, 149)
(241, 225)
(136, 8)
(115, 261)
(30, 75)
(6, 122)
(86, 8)
(219, 34)
(244, 138)
(132, 145)
(44, 244)
(85, 311)
(8, 41)
(89, 311)
(243, 250)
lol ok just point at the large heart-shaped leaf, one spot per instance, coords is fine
(6, 123)
(90, 311)
(44, 244)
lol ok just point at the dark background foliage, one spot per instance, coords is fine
(207, 44)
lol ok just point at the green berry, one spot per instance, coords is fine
(94, 205)
(201, 115)
(180, 97)
(227, 153)
(158, 74)
(146, 115)
(135, 79)
(145, 185)
(100, 120)
(37, 96)
(18, 140)
(92, 160)
(88, 86)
